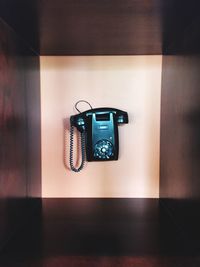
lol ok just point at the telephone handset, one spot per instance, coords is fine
(98, 133)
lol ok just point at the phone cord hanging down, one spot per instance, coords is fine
(71, 161)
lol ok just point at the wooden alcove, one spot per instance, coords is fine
(99, 232)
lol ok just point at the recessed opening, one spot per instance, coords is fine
(130, 83)
(138, 56)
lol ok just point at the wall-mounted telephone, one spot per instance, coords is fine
(99, 134)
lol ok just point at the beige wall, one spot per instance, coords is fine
(130, 83)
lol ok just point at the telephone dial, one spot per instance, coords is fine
(98, 129)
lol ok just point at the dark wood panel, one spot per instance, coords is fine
(93, 27)
(109, 261)
(13, 118)
(100, 27)
(180, 128)
(68, 27)
(14, 134)
(98, 232)
(180, 144)
(184, 213)
(180, 26)
(33, 115)
(22, 16)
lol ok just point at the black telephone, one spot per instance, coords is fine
(99, 134)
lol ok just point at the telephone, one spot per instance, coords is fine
(98, 133)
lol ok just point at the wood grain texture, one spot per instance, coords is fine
(23, 17)
(13, 118)
(14, 131)
(180, 26)
(180, 128)
(33, 119)
(180, 144)
(100, 27)
(98, 232)
(86, 27)
(107, 261)
(93, 27)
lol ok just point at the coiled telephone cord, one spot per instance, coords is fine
(71, 160)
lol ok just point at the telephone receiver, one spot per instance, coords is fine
(98, 134)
